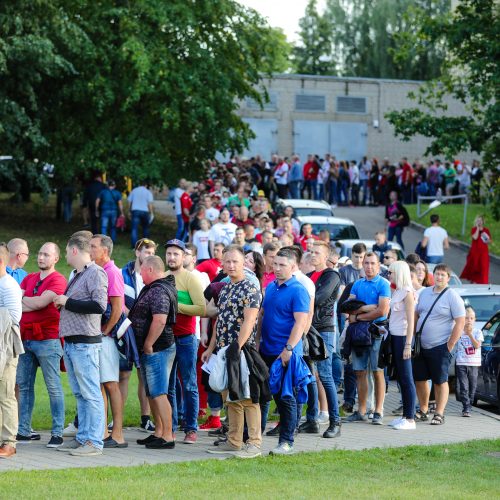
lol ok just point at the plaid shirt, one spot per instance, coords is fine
(89, 284)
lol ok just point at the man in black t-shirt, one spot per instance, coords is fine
(152, 317)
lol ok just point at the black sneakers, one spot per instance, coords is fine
(333, 430)
(55, 442)
(309, 427)
(274, 431)
(147, 440)
(27, 439)
(160, 444)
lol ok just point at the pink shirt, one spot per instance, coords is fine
(116, 287)
(267, 278)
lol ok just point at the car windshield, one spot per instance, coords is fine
(306, 211)
(484, 305)
(337, 231)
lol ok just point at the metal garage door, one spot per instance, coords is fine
(344, 140)
(265, 143)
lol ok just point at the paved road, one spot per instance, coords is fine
(358, 436)
(370, 219)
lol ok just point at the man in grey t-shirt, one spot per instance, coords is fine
(441, 332)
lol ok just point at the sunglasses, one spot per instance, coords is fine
(145, 242)
(37, 286)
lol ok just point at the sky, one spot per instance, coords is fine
(283, 14)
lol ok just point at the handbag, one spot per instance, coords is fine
(417, 345)
(316, 344)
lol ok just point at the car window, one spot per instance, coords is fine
(485, 306)
(455, 281)
(490, 330)
(306, 211)
(337, 231)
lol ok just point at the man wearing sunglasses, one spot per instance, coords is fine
(18, 255)
(40, 335)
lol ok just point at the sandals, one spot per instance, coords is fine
(437, 419)
(420, 416)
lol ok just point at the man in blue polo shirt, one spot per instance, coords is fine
(375, 291)
(18, 255)
(282, 321)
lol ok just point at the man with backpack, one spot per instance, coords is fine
(397, 218)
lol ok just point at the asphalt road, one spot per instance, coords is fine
(370, 219)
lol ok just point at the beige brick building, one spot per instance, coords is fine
(343, 116)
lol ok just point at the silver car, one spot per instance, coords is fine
(339, 228)
(306, 207)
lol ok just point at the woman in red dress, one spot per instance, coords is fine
(477, 267)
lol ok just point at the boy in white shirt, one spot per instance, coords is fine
(468, 361)
(200, 240)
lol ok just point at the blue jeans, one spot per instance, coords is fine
(434, 259)
(214, 401)
(139, 217)
(324, 368)
(185, 362)
(321, 191)
(397, 232)
(342, 193)
(294, 187)
(363, 185)
(332, 192)
(82, 366)
(180, 227)
(45, 354)
(108, 220)
(350, 387)
(155, 371)
(405, 376)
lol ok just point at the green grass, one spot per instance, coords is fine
(35, 222)
(451, 219)
(453, 471)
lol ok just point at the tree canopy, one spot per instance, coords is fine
(362, 37)
(470, 74)
(141, 88)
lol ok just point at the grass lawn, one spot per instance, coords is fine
(36, 223)
(452, 217)
(453, 471)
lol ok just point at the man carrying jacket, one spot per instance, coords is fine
(327, 283)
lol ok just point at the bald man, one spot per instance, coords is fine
(18, 255)
(40, 335)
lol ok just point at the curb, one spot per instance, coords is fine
(456, 243)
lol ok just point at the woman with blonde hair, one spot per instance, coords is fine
(401, 322)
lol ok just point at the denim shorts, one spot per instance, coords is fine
(155, 371)
(109, 361)
(368, 357)
(432, 364)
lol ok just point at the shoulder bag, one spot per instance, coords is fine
(417, 345)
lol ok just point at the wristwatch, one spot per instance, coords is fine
(289, 347)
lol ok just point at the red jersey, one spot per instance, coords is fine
(303, 240)
(407, 175)
(311, 170)
(44, 323)
(211, 267)
(186, 204)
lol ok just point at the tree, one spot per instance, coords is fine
(470, 74)
(314, 55)
(145, 88)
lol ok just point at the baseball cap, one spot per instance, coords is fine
(175, 243)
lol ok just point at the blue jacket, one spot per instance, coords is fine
(128, 272)
(293, 380)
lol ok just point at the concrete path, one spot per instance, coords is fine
(358, 436)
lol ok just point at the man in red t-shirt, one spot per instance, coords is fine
(212, 266)
(40, 334)
(186, 204)
(407, 181)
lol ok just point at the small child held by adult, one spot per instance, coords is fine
(468, 361)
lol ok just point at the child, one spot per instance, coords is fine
(200, 240)
(468, 361)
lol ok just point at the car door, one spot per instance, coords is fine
(487, 382)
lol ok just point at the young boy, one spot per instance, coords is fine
(468, 361)
(200, 240)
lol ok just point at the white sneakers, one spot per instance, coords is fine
(404, 425)
(392, 423)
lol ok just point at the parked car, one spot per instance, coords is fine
(338, 228)
(488, 381)
(454, 280)
(484, 299)
(345, 247)
(306, 207)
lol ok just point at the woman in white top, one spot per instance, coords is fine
(401, 323)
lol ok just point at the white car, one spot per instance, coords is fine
(484, 299)
(306, 207)
(338, 227)
(454, 279)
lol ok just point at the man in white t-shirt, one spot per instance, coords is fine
(211, 213)
(435, 241)
(140, 206)
(281, 178)
(223, 231)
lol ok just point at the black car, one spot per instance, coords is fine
(488, 381)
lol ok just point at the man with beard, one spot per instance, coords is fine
(42, 347)
(191, 304)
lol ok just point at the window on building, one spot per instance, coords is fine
(272, 105)
(355, 105)
(305, 102)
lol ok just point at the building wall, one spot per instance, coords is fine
(381, 96)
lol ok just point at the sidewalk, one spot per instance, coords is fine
(358, 436)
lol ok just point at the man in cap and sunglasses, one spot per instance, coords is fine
(40, 334)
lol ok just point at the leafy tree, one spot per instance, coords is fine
(470, 74)
(141, 88)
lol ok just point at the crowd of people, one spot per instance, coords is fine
(242, 308)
